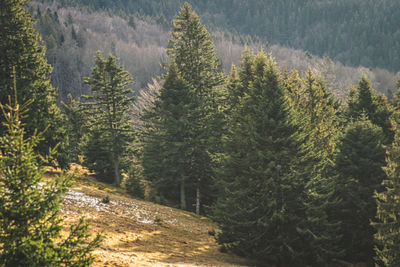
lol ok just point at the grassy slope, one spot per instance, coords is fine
(139, 233)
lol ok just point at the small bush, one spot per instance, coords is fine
(134, 185)
(223, 249)
(105, 200)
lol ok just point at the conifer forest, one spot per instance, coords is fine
(274, 123)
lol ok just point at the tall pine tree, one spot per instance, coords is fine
(260, 208)
(316, 115)
(166, 139)
(358, 165)
(387, 223)
(110, 128)
(20, 47)
(30, 224)
(364, 101)
(193, 58)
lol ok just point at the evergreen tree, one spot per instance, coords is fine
(316, 115)
(396, 102)
(193, 59)
(238, 81)
(387, 224)
(30, 224)
(74, 124)
(364, 101)
(260, 208)
(110, 128)
(167, 140)
(20, 47)
(315, 108)
(358, 164)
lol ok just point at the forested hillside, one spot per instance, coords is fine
(295, 157)
(354, 32)
(73, 35)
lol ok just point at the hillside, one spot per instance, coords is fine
(74, 33)
(140, 233)
(354, 32)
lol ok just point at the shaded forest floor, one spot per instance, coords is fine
(140, 233)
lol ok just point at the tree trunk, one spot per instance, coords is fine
(183, 196)
(198, 200)
(117, 178)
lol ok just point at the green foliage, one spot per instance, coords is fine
(358, 164)
(74, 124)
(30, 225)
(364, 101)
(238, 81)
(167, 139)
(333, 28)
(182, 129)
(134, 185)
(315, 113)
(109, 126)
(387, 222)
(260, 207)
(28, 57)
(315, 108)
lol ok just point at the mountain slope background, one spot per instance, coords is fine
(354, 32)
(138, 33)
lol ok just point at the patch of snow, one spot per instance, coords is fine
(128, 209)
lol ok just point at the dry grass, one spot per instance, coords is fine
(139, 233)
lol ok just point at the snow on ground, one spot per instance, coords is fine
(127, 209)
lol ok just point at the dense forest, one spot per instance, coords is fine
(355, 32)
(73, 33)
(295, 167)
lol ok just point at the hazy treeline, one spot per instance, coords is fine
(354, 32)
(73, 35)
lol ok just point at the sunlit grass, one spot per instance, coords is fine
(140, 233)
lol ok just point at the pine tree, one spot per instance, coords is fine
(358, 165)
(396, 102)
(193, 58)
(238, 81)
(74, 124)
(20, 47)
(315, 108)
(260, 207)
(30, 224)
(364, 101)
(387, 223)
(110, 128)
(316, 115)
(167, 140)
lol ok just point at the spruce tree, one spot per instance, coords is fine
(20, 47)
(238, 81)
(396, 95)
(260, 209)
(387, 223)
(396, 102)
(74, 124)
(364, 101)
(193, 58)
(358, 165)
(30, 224)
(167, 140)
(314, 106)
(110, 128)
(316, 115)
